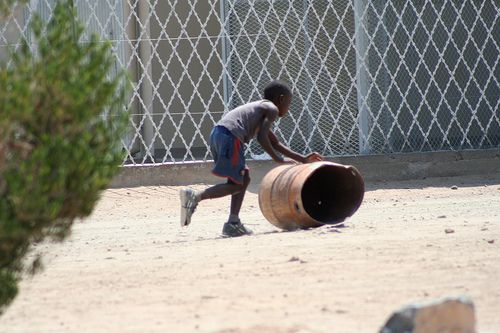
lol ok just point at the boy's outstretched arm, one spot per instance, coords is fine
(263, 138)
(278, 146)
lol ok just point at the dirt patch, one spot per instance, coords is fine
(131, 268)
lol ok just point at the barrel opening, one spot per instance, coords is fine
(332, 193)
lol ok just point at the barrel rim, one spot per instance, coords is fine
(324, 164)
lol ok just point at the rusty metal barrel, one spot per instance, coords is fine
(310, 195)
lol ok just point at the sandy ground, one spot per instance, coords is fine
(131, 268)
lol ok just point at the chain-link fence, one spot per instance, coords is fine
(368, 76)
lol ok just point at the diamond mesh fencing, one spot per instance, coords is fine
(368, 76)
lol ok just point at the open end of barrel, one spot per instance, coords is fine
(332, 193)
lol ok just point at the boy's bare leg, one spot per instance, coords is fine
(190, 198)
(236, 202)
(237, 198)
(234, 227)
(220, 190)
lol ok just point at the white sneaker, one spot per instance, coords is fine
(189, 201)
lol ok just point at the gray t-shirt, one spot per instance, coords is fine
(244, 121)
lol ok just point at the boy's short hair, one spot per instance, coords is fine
(276, 88)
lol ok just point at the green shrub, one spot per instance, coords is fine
(62, 117)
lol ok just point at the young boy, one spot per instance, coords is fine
(236, 127)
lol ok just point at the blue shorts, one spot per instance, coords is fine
(228, 154)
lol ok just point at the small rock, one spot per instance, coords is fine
(454, 187)
(449, 231)
(445, 315)
(441, 216)
(491, 241)
(208, 297)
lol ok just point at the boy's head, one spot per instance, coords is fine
(280, 94)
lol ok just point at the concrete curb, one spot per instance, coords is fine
(373, 168)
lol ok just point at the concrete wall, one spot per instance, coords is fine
(185, 87)
(322, 100)
(373, 168)
(10, 31)
(446, 92)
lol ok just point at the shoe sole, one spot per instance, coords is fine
(235, 236)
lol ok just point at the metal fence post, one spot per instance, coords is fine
(362, 80)
(146, 86)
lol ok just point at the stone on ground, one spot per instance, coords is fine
(448, 315)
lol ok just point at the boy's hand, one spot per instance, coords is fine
(314, 157)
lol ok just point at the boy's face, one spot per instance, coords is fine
(283, 104)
